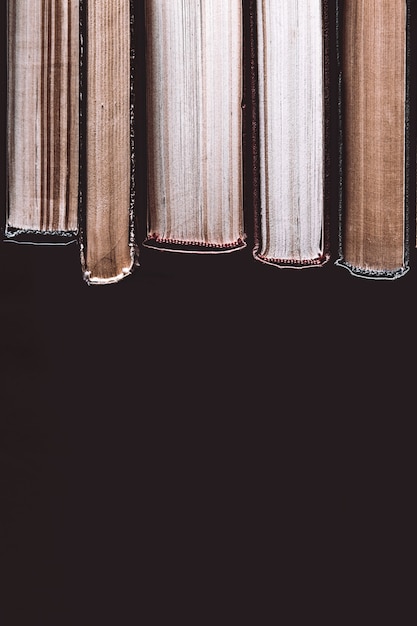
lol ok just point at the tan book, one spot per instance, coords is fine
(42, 119)
(194, 88)
(290, 80)
(107, 237)
(374, 240)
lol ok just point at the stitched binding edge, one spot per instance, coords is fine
(361, 272)
(297, 264)
(197, 247)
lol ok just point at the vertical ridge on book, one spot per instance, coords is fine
(292, 74)
(374, 210)
(42, 118)
(107, 246)
(194, 96)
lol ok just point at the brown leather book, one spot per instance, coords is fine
(290, 131)
(374, 215)
(42, 120)
(107, 227)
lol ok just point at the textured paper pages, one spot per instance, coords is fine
(42, 117)
(194, 96)
(374, 94)
(107, 247)
(290, 69)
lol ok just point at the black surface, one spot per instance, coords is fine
(152, 431)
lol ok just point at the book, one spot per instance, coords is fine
(374, 211)
(290, 104)
(194, 89)
(107, 238)
(42, 120)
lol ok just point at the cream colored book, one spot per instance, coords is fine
(194, 61)
(42, 119)
(291, 227)
(107, 238)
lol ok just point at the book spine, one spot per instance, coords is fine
(107, 146)
(194, 57)
(375, 127)
(42, 121)
(291, 158)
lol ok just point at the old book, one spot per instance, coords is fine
(194, 52)
(42, 119)
(290, 104)
(107, 190)
(374, 216)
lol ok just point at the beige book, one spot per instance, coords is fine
(194, 66)
(374, 70)
(42, 117)
(107, 247)
(291, 227)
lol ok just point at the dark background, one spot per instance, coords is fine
(165, 441)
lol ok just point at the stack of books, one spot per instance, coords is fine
(238, 98)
